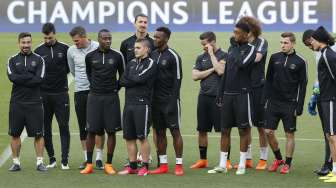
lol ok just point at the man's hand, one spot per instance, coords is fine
(210, 49)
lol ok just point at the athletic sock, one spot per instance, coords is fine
(16, 160)
(163, 159)
(264, 153)
(223, 157)
(203, 152)
(334, 168)
(179, 161)
(85, 155)
(89, 157)
(99, 154)
(242, 160)
(277, 154)
(144, 164)
(39, 160)
(109, 158)
(134, 165)
(229, 153)
(288, 161)
(249, 152)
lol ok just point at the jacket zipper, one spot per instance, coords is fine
(103, 58)
(286, 61)
(52, 52)
(25, 61)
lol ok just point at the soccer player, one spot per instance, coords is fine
(138, 80)
(285, 91)
(234, 97)
(76, 60)
(315, 101)
(208, 69)
(103, 105)
(258, 79)
(141, 32)
(26, 71)
(326, 70)
(166, 100)
(127, 49)
(54, 90)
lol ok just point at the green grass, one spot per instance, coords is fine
(308, 155)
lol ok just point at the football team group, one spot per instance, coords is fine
(235, 91)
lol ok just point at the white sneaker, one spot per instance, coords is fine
(217, 169)
(52, 165)
(240, 171)
(65, 167)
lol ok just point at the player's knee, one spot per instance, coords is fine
(269, 132)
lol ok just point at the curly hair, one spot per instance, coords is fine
(254, 24)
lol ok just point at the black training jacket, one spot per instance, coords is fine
(101, 70)
(56, 67)
(169, 75)
(138, 79)
(26, 72)
(326, 74)
(286, 79)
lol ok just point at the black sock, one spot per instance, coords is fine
(158, 158)
(288, 161)
(145, 165)
(229, 151)
(134, 165)
(109, 158)
(277, 154)
(203, 152)
(89, 157)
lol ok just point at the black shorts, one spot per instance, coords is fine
(26, 115)
(136, 121)
(103, 113)
(236, 111)
(328, 117)
(284, 111)
(167, 115)
(208, 114)
(80, 107)
(258, 107)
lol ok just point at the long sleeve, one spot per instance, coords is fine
(244, 61)
(71, 62)
(269, 80)
(14, 77)
(123, 49)
(38, 75)
(177, 72)
(302, 88)
(146, 74)
(88, 67)
(330, 59)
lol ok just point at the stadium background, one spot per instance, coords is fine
(309, 148)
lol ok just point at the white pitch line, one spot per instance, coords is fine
(8, 151)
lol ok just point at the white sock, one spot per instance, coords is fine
(222, 159)
(16, 160)
(264, 153)
(163, 159)
(39, 160)
(85, 155)
(99, 154)
(242, 160)
(179, 161)
(249, 152)
(334, 168)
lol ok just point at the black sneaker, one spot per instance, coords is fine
(52, 162)
(14, 168)
(323, 171)
(99, 165)
(82, 165)
(41, 167)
